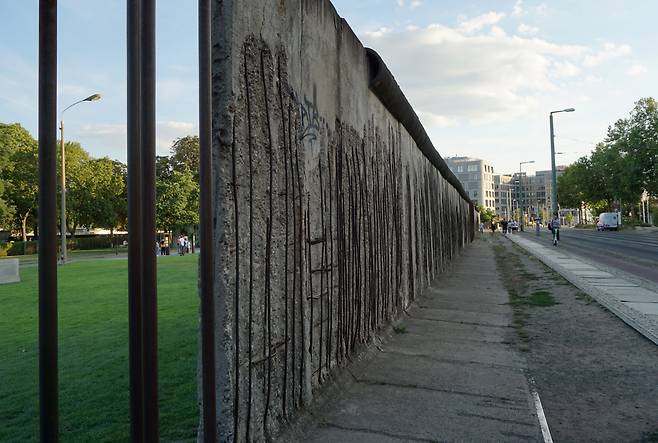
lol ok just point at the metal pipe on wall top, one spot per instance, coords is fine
(48, 367)
(134, 221)
(149, 272)
(206, 221)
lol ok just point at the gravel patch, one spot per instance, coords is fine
(597, 377)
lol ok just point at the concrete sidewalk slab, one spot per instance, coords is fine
(494, 354)
(501, 308)
(450, 374)
(632, 303)
(455, 315)
(9, 271)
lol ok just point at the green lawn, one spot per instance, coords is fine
(32, 259)
(93, 336)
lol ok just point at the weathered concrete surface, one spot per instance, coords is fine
(636, 306)
(441, 380)
(330, 220)
(9, 271)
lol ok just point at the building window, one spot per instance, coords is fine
(460, 169)
(473, 168)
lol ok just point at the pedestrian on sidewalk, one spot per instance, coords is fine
(537, 227)
(555, 228)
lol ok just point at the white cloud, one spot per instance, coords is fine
(112, 137)
(456, 75)
(382, 31)
(412, 3)
(565, 70)
(481, 21)
(518, 8)
(609, 52)
(636, 70)
(524, 29)
(497, 31)
(436, 120)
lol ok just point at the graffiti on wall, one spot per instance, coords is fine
(323, 246)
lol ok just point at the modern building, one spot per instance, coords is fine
(504, 187)
(532, 193)
(477, 177)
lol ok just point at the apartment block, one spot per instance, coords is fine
(477, 177)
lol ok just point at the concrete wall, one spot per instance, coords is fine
(330, 219)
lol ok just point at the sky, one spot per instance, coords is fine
(482, 75)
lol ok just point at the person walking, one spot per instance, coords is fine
(504, 225)
(555, 227)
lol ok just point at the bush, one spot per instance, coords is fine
(4, 248)
(76, 244)
(95, 242)
(22, 248)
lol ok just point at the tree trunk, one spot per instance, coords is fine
(24, 225)
(116, 248)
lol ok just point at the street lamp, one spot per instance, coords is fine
(553, 170)
(521, 192)
(91, 98)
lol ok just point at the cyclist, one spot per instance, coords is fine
(555, 227)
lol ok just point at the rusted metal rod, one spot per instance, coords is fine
(149, 271)
(134, 221)
(208, 381)
(48, 367)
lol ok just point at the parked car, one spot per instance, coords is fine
(608, 220)
(513, 226)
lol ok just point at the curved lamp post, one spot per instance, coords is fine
(553, 170)
(91, 98)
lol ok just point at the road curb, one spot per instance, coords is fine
(635, 319)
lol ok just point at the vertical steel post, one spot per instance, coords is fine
(553, 172)
(134, 221)
(206, 218)
(521, 199)
(149, 281)
(48, 367)
(63, 255)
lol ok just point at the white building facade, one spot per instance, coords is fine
(477, 177)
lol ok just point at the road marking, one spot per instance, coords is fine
(543, 424)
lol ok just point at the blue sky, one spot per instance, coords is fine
(482, 75)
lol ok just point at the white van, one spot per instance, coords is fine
(608, 220)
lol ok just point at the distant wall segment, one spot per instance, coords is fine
(333, 209)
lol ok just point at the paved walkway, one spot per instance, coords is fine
(452, 376)
(634, 304)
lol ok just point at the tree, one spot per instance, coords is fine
(177, 186)
(80, 198)
(19, 163)
(6, 210)
(177, 202)
(486, 214)
(111, 189)
(641, 144)
(185, 155)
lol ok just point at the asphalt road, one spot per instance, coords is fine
(633, 252)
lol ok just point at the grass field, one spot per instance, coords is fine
(93, 337)
(32, 259)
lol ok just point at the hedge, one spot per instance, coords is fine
(76, 244)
